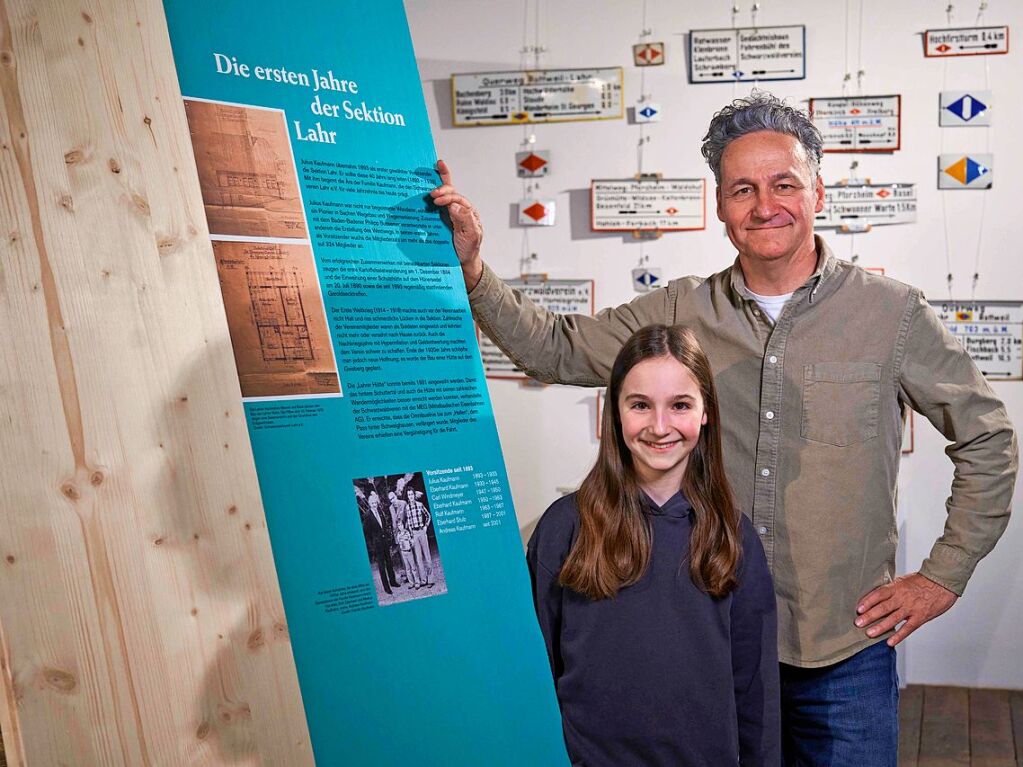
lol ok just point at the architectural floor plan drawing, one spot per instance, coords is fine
(275, 314)
(246, 171)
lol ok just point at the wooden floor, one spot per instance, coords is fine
(952, 726)
(948, 727)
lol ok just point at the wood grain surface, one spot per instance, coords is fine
(140, 616)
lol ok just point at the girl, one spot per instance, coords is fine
(651, 589)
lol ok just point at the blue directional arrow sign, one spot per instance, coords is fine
(646, 279)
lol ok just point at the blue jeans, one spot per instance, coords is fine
(843, 715)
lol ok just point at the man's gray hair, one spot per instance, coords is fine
(760, 111)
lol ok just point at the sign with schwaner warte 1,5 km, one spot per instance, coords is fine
(536, 96)
(966, 41)
(655, 204)
(991, 331)
(746, 54)
(863, 205)
(858, 123)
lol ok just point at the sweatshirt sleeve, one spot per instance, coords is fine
(546, 601)
(754, 621)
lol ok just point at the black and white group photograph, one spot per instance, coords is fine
(400, 538)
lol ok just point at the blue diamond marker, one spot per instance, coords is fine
(646, 279)
(737, 74)
(967, 107)
(648, 112)
(974, 170)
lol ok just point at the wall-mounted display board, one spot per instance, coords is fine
(646, 205)
(380, 470)
(746, 54)
(966, 41)
(536, 96)
(858, 123)
(970, 108)
(856, 205)
(991, 331)
(560, 296)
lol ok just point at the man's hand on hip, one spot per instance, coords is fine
(911, 600)
(466, 227)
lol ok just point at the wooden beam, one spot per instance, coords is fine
(911, 702)
(991, 729)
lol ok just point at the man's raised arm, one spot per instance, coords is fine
(553, 348)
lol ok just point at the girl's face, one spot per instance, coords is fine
(662, 411)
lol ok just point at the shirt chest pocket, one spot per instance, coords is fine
(840, 402)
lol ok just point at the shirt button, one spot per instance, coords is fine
(769, 415)
(762, 530)
(756, 312)
(772, 359)
(765, 472)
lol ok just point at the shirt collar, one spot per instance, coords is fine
(676, 506)
(827, 266)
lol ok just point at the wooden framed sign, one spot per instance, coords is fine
(991, 331)
(966, 41)
(746, 54)
(536, 96)
(656, 204)
(858, 123)
(867, 204)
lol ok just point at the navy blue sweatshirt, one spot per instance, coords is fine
(662, 674)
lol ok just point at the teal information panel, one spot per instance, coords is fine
(385, 492)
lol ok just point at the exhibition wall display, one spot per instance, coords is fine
(875, 86)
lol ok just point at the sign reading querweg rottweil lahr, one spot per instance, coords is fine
(536, 96)
(747, 54)
(991, 331)
(379, 466)
(560, 296)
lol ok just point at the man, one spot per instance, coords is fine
(379, 534)
(815, 363)
(417, 520)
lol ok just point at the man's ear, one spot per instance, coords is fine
(717, 197)
(819, 206)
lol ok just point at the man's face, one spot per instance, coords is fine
(392, 497)
(767, 196)
(374, 501)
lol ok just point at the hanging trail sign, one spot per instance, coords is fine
(860, 206)
(559, 296)
(966, 41)
(536, 96)
(991, 331)
(647, 205)
(746, 54)
(858, 123)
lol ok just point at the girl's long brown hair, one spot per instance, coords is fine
(612, 549)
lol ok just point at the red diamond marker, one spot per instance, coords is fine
(854, 111)
(533, 163)
(943, 47)
(883, 193)
(671, 211)
(536, 211)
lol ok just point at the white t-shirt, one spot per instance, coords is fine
(772, 305)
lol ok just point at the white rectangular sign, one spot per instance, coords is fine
(966, 41)
(631, 205)
(747, 53)
(537, 96)
(872, 204)
(971, 108)
(966, 171)
(560, 296)
(858, 123)
(991, 331)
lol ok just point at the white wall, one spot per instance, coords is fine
(548, 434)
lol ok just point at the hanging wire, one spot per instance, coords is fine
(860, 71)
